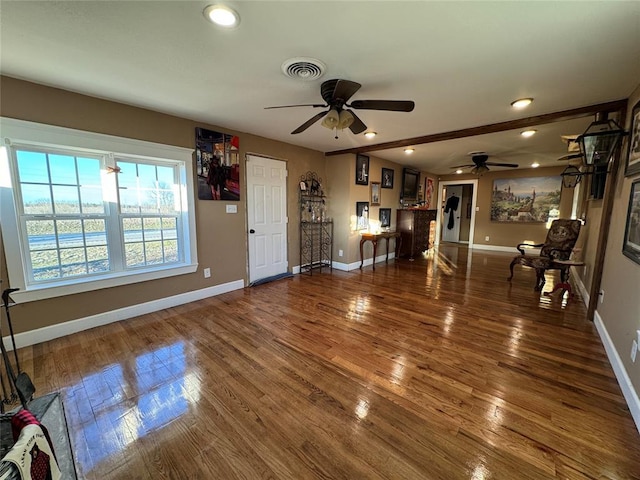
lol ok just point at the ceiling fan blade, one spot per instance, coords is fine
(358, 125)
(309, 122)
(315, 105)
(570, 156)
(343, 90)
(391, 105)
(464, 166)
(510, 165)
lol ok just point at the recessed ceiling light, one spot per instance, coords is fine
(370, 134)
(528, 133)
(222, 15)
(409, 150)
(535, 165)
(522, 102)
(459, 171)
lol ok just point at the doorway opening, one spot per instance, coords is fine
(456, 218)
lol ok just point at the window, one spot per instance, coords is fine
(86, 211)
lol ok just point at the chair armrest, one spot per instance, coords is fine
(528, 245)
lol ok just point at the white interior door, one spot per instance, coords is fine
(266, 216)
(451, 214)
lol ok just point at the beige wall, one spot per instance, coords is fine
(620, 310)
(222, 244)
(344, 194)
(509, 234)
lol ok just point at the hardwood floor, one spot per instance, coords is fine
(433, 369)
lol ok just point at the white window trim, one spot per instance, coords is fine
(28, 133)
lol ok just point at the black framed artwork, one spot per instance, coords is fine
(410, 184)
(631, 245)
(633, 159)
(385, 217)
(387, 178)
(362, 170)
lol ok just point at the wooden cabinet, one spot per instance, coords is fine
(415, 230)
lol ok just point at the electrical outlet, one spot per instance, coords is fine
(638, 335)
(340, 253)
(601, 297)
(486, 239)
(207, 272)
(634, 350)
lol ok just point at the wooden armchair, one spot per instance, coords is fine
(561, 239)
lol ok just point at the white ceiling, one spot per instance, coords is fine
(461, 62)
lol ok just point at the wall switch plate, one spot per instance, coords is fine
(634, 350)
(486, 239)
(207, 272)
(638, 335)
(340, 253)
(232, 208)
(601, 297)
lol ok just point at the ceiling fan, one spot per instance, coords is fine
(480, 163)
(336, 94)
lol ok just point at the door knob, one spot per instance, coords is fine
(252, 231)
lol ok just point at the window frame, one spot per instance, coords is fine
(19, 133)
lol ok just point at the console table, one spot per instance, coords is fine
(373, 238)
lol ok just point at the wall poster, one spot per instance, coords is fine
(535, 199)
(217, 165)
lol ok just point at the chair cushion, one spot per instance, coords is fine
(534, 262)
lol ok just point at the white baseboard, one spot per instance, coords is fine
(577, 281)
(495, 248)
(630, 395)
(347, 267)
(44, 334)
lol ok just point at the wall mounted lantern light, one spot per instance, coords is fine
(599, 141)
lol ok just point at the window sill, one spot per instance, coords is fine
(41, 292)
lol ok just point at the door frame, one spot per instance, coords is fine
(474, 198)
(246, 208)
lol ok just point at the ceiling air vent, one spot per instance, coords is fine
(303, 68)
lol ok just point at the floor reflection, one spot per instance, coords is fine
(127, 401)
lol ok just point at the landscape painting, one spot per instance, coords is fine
(535, 199)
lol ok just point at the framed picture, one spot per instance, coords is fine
(428, 192)
(525, 200)
(362, 170)
(631, 245)
(362, 215)
(385, 217)
(387, 178)
(633, 159)
(217, 165)
(410, 185)
(375, 193)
